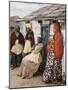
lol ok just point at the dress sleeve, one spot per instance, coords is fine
(58, 46)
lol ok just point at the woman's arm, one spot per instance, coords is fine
(33, 47)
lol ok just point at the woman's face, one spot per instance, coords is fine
(27, 29)
(56, 27)
(52, 29)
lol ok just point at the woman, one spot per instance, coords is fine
(29, 42)
(31, 62)
(31, 34)
(53, 68)
(16, 53)
(16, 35)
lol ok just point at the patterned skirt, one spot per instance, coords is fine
(53, 69)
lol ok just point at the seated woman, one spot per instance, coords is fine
(31, 62)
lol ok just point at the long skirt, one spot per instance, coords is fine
(28, 69)
(53, 70)
(16, 59)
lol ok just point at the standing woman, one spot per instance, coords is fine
(16, 54)
(16, 35)
(16, 40)
(29, 42)
(53, 69)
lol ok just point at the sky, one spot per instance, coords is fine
(23, 9)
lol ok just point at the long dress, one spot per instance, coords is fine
(30, 63)
(53, 68)
(16, 54)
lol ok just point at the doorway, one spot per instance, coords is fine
(44, 35)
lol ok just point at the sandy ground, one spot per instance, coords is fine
(18, 82)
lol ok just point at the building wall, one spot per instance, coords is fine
(63, 30)
(36, 27)
(22, 28)
(12, 23)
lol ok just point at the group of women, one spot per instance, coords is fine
(27, 55)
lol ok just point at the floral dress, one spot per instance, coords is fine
(53, 68)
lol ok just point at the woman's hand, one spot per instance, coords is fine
(33, 48)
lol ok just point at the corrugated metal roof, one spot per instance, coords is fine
(50, 12)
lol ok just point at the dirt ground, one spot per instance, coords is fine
(18, 82)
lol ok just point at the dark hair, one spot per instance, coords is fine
(53, 21)
(56, 23)
(40, 21)
(27, 21)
